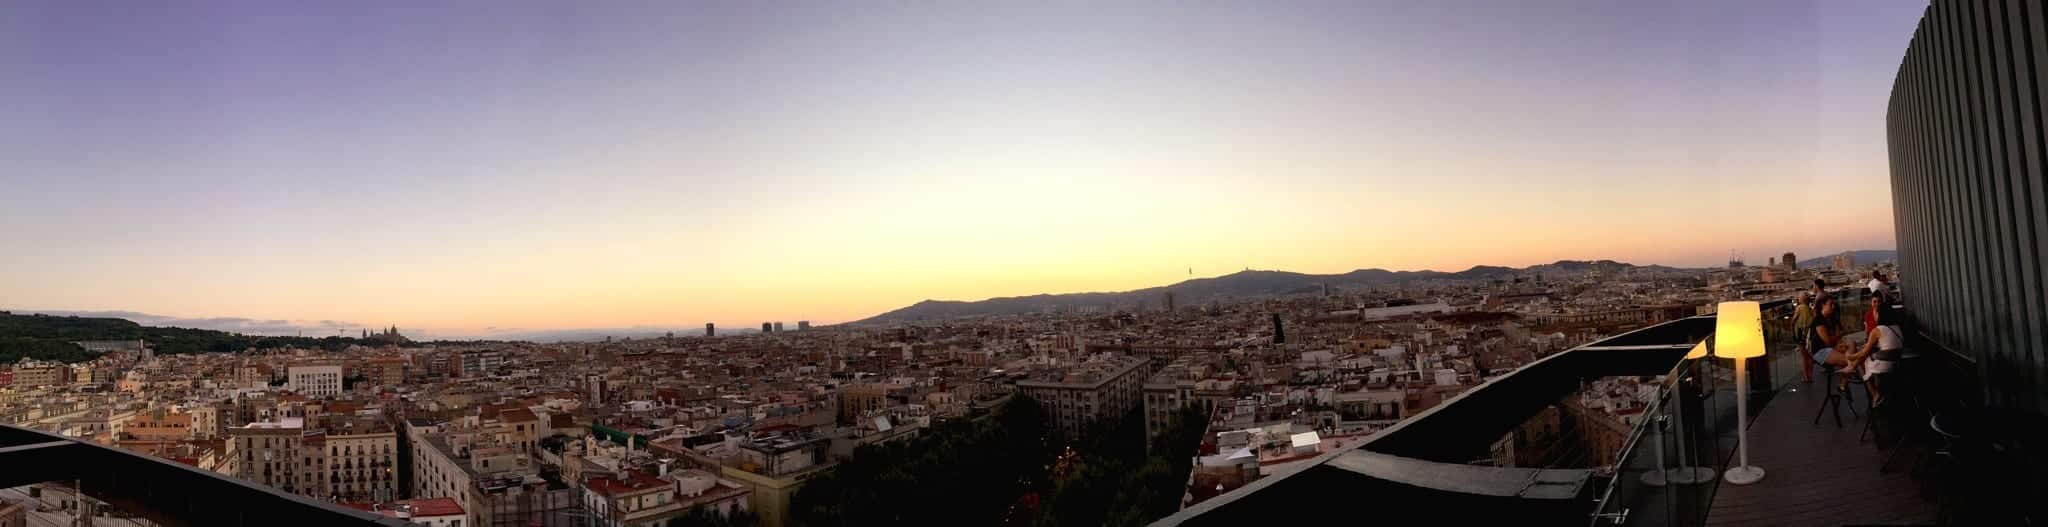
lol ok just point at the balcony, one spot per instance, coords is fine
(1818, 473)
(159, 490)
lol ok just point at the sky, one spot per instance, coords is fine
(475, 168)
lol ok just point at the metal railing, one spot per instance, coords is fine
(1660, 476)
(1668, 469)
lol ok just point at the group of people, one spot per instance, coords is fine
(1817, 319)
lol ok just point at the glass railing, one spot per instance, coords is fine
(1666, 472)
(1670, 466)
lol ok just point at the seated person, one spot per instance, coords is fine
(1829, 348)
(1880, 347)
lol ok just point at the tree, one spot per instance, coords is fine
(969, 471)
(1119, 481)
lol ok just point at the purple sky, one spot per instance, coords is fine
(467, 165)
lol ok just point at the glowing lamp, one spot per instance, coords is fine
(1739, 330)
(1739, 335)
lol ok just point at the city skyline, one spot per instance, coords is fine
(322, 327)
(546, 167)
(792, 264)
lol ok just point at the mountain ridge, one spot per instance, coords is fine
(1866, 256)
(1249, 282)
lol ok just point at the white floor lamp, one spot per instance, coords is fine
(1739, 335)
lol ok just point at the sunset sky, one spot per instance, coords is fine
(466, 168)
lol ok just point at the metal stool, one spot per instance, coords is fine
(1838, 396)
(1905, 403)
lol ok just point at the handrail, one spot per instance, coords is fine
(1627, 452)
(1614, 503)
(1491, 401)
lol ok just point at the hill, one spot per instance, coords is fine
(49, 337)
(1249, 283)
(1863, 257)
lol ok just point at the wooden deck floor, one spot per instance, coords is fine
(1817, 474)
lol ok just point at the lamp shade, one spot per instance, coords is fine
(1698, 352)
(1738, 330)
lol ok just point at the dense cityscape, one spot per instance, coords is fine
(1023, 264)
(1205, 394)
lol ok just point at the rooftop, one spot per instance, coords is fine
(1093, 372)
(629, 482)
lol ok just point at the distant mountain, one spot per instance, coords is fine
(49, 337)
(1235, 285)
(1863, 257)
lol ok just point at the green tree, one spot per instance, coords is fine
(1119, 481)
(968, 471)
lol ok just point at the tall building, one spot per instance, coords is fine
(803, 325)
(596, 384)
(386, 371)
(767, 327)
(778, 327)
(360, 461)
(30, 373)
(1790, 261)
(315, 381)
(474, 363)
(710, 330)
(270, 453)
(1078, 396)
(856, 400)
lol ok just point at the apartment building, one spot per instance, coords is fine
(270, 453)
(1104, 387)
(315, 381)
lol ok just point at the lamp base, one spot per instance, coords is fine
(1658, 478)
(1743, 475)
(1691, 475)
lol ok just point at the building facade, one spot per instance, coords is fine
(269, 453)
(361, 467)
(1969, 177)
(315, 381)
(473, 363)
(1076, 397)
(31, 373)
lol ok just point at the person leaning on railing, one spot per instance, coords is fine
(1802, 327)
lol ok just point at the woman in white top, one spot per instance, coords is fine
(1880, 347)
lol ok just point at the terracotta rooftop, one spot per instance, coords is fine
(628, 483)
(517, 415)
(435, 507)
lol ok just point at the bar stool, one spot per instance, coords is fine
(1837, 396)
(1906, 401)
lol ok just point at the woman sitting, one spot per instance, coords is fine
(1827, 337)
(1880, 347)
